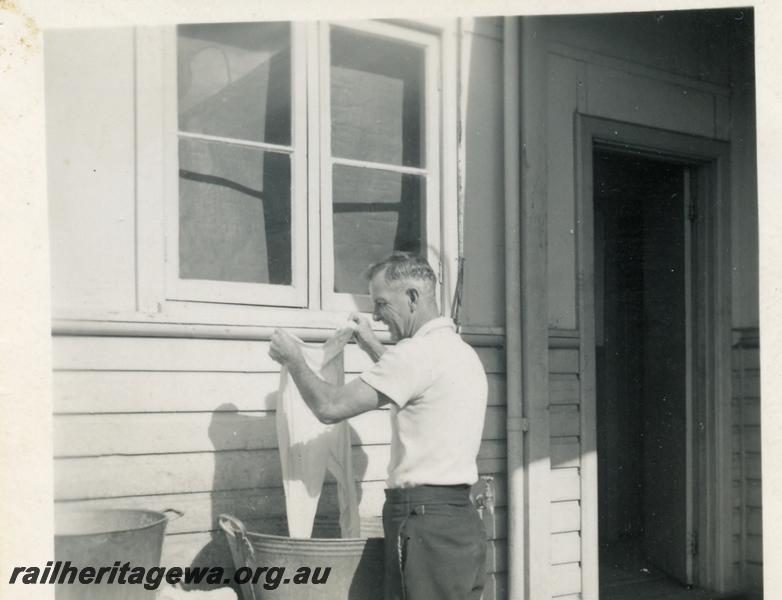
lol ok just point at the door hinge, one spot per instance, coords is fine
(692, 211)
(693, 543)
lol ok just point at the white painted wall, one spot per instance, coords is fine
(91, 168)
(484, 246)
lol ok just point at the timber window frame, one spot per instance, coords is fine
(312, 226)
(329, 162)
(233, 292)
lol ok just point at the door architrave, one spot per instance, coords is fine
(709, 160)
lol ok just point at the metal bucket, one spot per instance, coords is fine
(102, 537)
(356, 564)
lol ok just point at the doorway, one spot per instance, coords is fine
(643, 212)
(668, 275)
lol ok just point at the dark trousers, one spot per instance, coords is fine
(435, 544)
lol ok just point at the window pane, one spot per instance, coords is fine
(377, 99)
(234, 80)
(375, 213)
(234, 213)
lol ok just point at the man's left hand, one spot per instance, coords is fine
(284, 348)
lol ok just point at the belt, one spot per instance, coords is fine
(421, 494)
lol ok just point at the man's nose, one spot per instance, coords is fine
(375, 316)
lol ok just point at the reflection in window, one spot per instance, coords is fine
(234, 213)
(377, 109)
(243, 156)
(234, 83)
(375, 212)
(377, 115)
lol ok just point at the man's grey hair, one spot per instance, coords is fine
(400, 266)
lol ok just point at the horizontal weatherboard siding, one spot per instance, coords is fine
(155, 423)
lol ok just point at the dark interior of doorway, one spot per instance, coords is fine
(639, 208)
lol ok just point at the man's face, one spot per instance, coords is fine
(391, 306)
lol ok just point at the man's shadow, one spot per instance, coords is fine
(247, 482)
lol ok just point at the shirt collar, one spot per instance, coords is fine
(434, 324)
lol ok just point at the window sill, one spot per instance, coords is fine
(204, 320)
(77, 327)
(310, 326)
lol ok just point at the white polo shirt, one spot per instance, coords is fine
(438, 390)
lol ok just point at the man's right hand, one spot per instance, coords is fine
(366, 338)
(284, 349)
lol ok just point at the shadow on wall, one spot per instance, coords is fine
(248, 482)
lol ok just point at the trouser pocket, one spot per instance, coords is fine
(435, 551)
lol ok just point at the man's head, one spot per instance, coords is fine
(402, 288)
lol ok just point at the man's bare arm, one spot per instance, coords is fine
(366, 338)
(331, 403)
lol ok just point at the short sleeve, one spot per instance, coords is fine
(402, 373)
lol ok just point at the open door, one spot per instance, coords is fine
(644, 369)
(654, 309)
(667, 373)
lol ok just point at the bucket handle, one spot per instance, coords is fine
(172, 514)
(236, 529)
(232, 525)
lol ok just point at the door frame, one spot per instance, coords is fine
(709, 159)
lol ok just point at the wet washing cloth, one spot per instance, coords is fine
(308, 447)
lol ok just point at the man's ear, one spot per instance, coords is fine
(413, 295)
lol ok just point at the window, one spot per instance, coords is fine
(304, 153)
(380, 150)
(241, 157)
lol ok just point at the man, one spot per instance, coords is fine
(435, 546)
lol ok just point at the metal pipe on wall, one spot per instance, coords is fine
(202, 331)
(513, 348)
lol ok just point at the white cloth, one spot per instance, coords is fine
(438, 390)
(308, 447)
